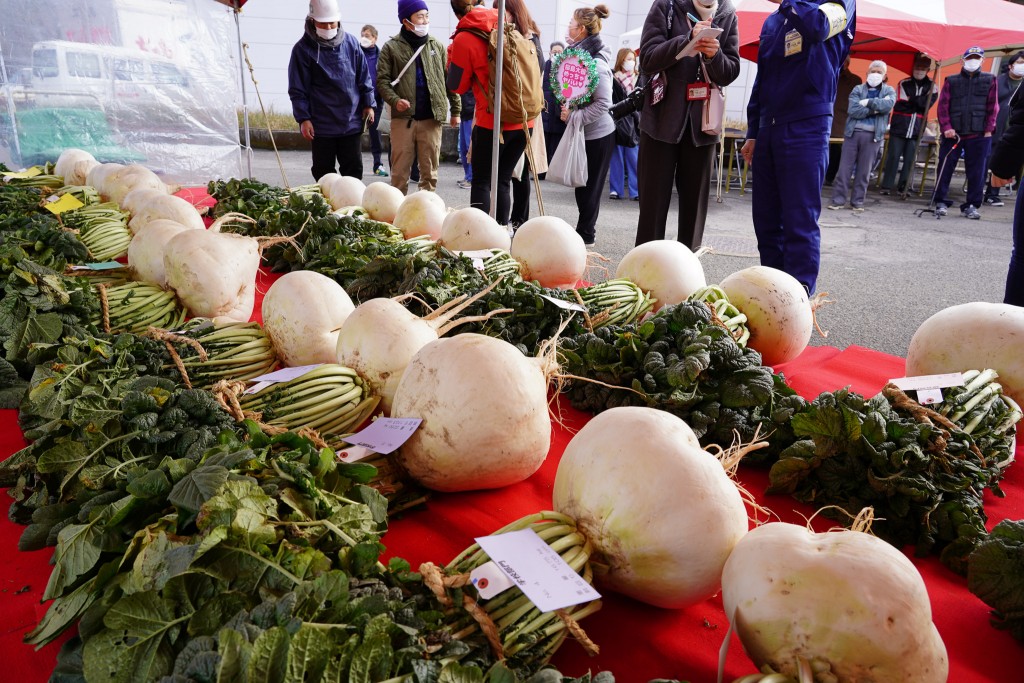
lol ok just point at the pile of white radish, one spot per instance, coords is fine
(484, 407)
(74, 165)
(421, 213)
(550, 252)
(380, 337)
(303, 312)
(666, 269)
(851, 605)
(471, 229)
(341, 191)
(662, 513)
(779, 314)
(213, 272)
(114, 181)
(381, 201)
(972, 335)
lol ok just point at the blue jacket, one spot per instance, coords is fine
(372, 54)
(330, 86)
(803, 84)
(877, 108)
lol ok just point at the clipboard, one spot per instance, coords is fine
(690, 49)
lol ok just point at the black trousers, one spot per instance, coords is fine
(347, 150)
(588, 197)
(658, 165)
(521, 197)
(511, 148)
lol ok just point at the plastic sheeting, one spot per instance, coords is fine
(154, 82)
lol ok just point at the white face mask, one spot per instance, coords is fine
(366, 42)
(1018, 69)
(629, 65)
(972, 65)
(874, 80)
(327, 33)
(421, 29)
(920, 74)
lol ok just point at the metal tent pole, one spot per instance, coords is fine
(10, 106)
(245, 105)
(499, 66)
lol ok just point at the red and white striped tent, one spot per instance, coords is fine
(896, 31)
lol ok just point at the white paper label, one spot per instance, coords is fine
(355, 453)
(386, 434)
(929, 387)
(490, 580)
(282, 375)
(52, 198)
(477, 254)
(564, 305)
(478, 263)
(538, 571)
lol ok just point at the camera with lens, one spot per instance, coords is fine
(633, 102)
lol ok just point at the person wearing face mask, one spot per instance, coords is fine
(411, 79)
(789, 116)
(914, 97)
(368, 41)
(623, 166)
(554, 126)
(674, 149)
(968, 105)
(1007, 83)
(867, 118)
(331, 91)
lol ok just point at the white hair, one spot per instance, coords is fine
(879, 64)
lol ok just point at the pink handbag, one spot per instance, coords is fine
(714, 107)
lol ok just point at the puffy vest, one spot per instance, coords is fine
(968, 102)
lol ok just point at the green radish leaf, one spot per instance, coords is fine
(307, 656)
(456, 673)
(64, 457)
(269, 660)
(371, 660)
(235, 654)
(78, 551)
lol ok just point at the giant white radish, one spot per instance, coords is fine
(381, 201)
(213, 272)
(972, 335)
(845, 601)
(484, 407)
(146, 250)
(98, 176)
(779, 314)
(661, 512)
(155, 205)
(550, 252)
(302, 314)
(421, 213)
(124, 180)
(380, 337)
(341, 190)
(74, 166)
(666, 269)
(470, 229)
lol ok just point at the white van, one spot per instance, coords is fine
(89, 75)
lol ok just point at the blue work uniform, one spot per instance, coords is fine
(803, 47)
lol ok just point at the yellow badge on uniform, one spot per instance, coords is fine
(794, 43)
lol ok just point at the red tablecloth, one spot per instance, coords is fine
(638, 642)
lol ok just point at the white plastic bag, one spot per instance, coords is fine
(569, 162)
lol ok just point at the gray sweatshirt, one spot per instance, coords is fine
(597, 122)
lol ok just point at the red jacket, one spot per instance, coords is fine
(468, 65)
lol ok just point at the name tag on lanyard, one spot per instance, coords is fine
(794, 43)
(698, 91)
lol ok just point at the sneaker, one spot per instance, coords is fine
(885, 192)
(636, 198)
(465, 184)
(858, 209)
(940, 210)
(994, 201)
(379, 171)
(588, 244)
(614, 195)
(836, 207)
(970, 212)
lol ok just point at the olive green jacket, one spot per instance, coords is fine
(395, 54)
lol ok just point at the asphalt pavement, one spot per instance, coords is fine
(887, 269)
